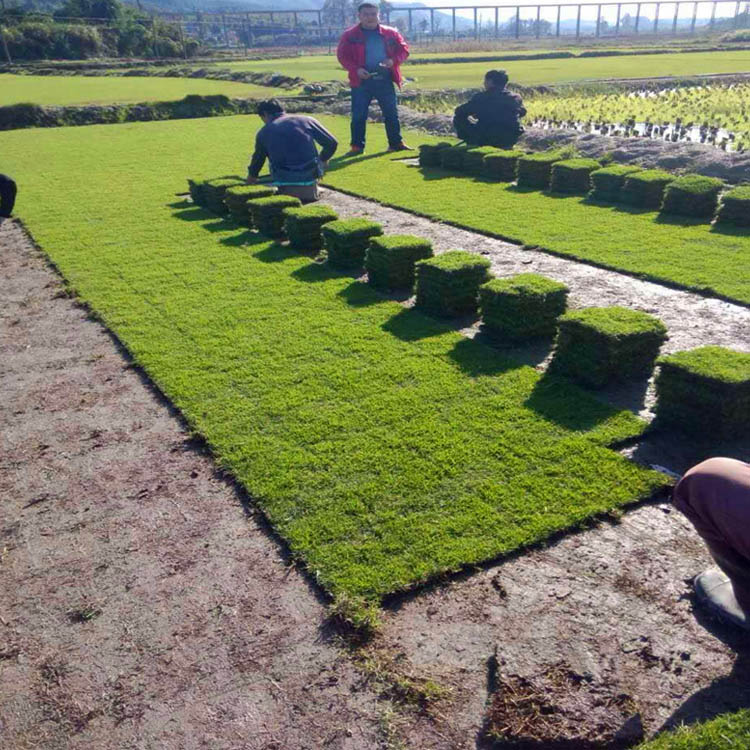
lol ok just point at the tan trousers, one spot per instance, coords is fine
(306, 193)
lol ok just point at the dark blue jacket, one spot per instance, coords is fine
(289, 143)
(498, 112)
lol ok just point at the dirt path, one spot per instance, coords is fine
(143, 605)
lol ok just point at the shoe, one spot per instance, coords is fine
(400, 147)
(714, 590)
(354, 151)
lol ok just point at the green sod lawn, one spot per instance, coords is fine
(78, 90)
(527, 72)
(673, 250)
(384, 447)
(727, 732)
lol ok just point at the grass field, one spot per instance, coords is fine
(78, 90)
(384, 447)
(673, 250)
(527, 72)
(728, 732)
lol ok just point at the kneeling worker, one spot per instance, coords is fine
(7, 196)
(492, 117)
(289, 143)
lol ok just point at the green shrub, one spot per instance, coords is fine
(303, 225)
(522, 307)
(692, 195)
(453, 158)
(501, 165)
(705, 392)
(599, 345)
(236, 200)
(646, 189)
(448, 284)
(474, 159)
(346, 241)
(268, 213)
(735, 206)
(390, 260)
(429, 153)
(572, 175)
(607, 183)
(535, 170)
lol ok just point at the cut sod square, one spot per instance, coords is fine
(453, 158)
(692, 195)
(525, 306)
(429, 153)
(535, 170)
(705, 392)
(346, 241)
(600, 345)
(303, 225)
(646, 189)
(268, 213)
(735, 206)
(236, 200)
(607, 183)
(213, 192)
(502, 165)
(572, 175)
(474, 159)
(390, 260)
(448, 285)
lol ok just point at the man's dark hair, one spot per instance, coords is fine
(366, 5)
(270, 107)
(498, 78)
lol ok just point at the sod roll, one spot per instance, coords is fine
(735, 207)
(535, 170)
(692, 195)
(607, 183)
(390, 260)
(646, 189)
(448, 284)
(303, 225)
(572, 175)
(268, 213)
(346, 241)
(502, 165)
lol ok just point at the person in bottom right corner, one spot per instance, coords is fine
(8, 192)
(715, 497)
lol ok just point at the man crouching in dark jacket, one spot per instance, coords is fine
(492, 117)
(288, 141)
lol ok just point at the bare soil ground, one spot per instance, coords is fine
(144, 604)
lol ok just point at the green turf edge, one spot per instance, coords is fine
(729, 731)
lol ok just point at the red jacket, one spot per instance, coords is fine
(351, 51)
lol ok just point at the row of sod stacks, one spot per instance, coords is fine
(600, 345)
(236, 200)
(607, 183)
(535, 170)
(268, 213)
(448, 285)
(303, 225)
(502, 165)
(346, 241)
(706, 392)
(522, 307)
(572, 175)
(692, 195)
(735, 206)
(390, 260)
(474, 159)
(429, 153)
(645, 189)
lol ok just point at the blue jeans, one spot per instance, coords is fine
(384, 92)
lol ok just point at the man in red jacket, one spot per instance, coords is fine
(372, 55)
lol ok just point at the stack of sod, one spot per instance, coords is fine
(646, 188)
(474, 159)
(735, 206)
(535, 170)
(303, 225)
(390, 260)
(705, 392)
(213, 192)
(607, 183)
(573, 175)
(453, 157)
(236, 200)
(196, 191)
(501, 165)
(692, 195)
(448, 284)
(525, 306)
(346, 241)
(599, 345)
(429, 153)
(268, 213)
